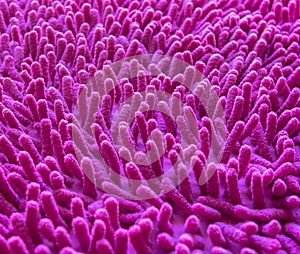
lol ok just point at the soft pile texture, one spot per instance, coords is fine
(248, 51)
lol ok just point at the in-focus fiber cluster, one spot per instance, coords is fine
(51, 190)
